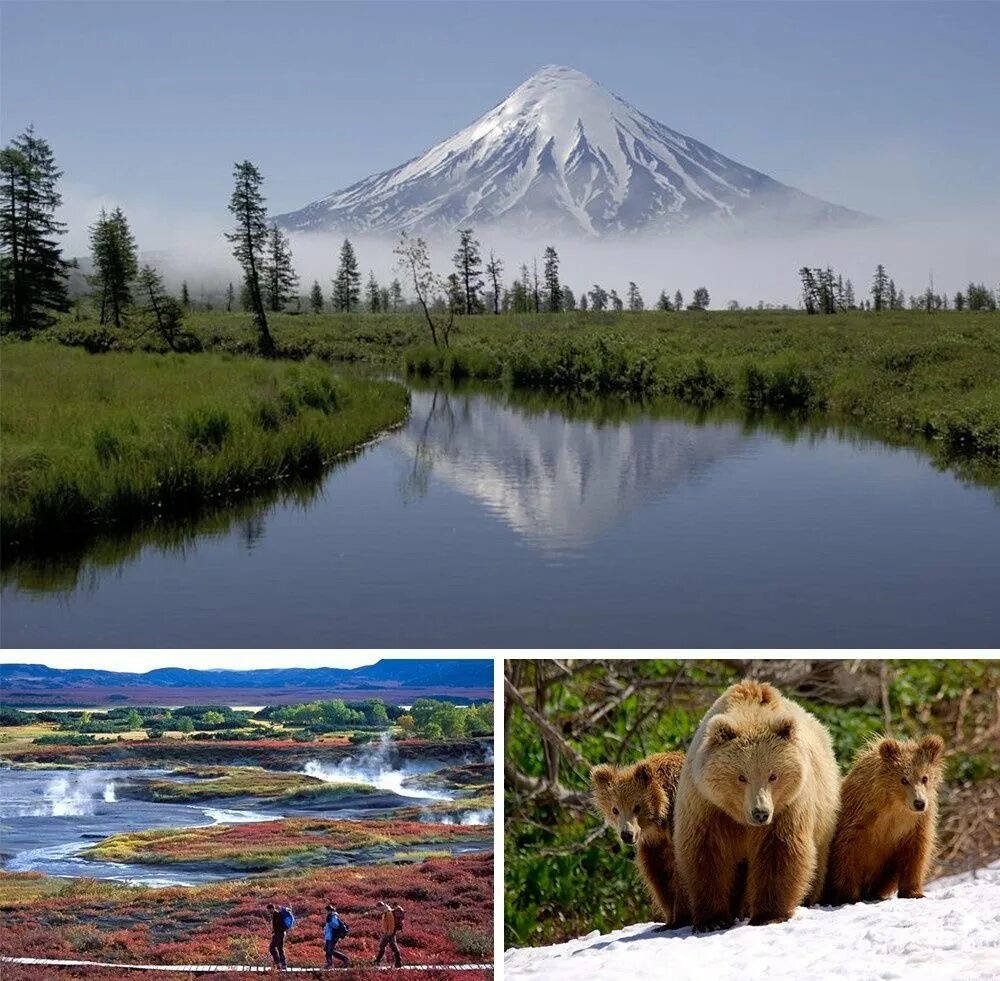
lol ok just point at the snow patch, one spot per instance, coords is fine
(952, 935)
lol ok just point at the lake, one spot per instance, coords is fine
(492, 520)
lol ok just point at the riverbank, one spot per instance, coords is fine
(907, 374)
(98, 443)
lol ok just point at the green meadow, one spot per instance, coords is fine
(96, 443)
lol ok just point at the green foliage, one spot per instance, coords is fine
(107, 443)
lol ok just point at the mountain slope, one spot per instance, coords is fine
(952, 934)
(563, 155)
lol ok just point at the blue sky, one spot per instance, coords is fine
(888, 107)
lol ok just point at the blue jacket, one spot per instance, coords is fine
(332, 923)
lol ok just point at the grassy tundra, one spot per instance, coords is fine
(905, 374)
(95, 444)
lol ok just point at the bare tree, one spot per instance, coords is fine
(414, 259)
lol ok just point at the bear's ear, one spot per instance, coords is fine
(643, 774)
(720, 730)
(890, 750)
(784, 729)
(601, 776)
(932, 747)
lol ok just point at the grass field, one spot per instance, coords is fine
(907, 374)
(96, 443)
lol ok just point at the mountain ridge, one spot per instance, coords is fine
(562, 154)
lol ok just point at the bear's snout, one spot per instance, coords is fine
(760, 815)
(627, 836)
(919, 805)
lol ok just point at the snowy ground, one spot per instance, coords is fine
(952, 934)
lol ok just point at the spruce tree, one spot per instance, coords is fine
(494, 269)
(316, 297)
(280, 279)
(553, 291)
(663, 303)
(372, 293)
(185, 296)
(616, 301)
(568, 299)
(880, 288)
(583, 302)
(396, 295)
(347, 283)
(678, 300)
(635, 303)
(230, 298)
(469, 267)
(249, 240)
(116, 265)
(32, 270)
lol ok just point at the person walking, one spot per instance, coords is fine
(334, 929)
(278, 928)
(390, 925)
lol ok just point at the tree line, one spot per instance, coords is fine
(125, 294)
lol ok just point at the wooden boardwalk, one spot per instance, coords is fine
(241, 968)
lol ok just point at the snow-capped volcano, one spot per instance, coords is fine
(562, 154)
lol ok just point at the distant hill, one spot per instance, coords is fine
(394, 680)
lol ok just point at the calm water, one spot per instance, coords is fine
(487, 522)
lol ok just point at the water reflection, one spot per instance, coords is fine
(559, 481)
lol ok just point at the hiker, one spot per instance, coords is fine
(279, 924)
(333, 930)
(392, 921)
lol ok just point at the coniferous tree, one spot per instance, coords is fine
(583, 302)
(494, 269)
(347, 284)
(280, 280)
(396, 295)
(456, 295)
(161, 312)
(568, 299)
(372, 293)
(880, 288)
(536, 293)
(116, 265)
(678, 300)
(185, 296)
(316, 297)
(810, 290)
(663, 303)
(469, 266)
(616, 301)
(849, 300)
(959, 301)
(598, 298)
(553, 291)
(32, 270)
(635, 303)
(249, 239)
(230, 298)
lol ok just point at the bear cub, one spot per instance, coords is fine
(885, 837)
(638, 803)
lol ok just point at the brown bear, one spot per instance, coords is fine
(638, 802)
(885, 837)
(756, 808)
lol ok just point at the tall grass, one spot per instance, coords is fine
(95, 443)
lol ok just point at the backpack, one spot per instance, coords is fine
(341, 931)
(288, 917)
(397, 914)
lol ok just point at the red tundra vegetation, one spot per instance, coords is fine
(448, 904)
